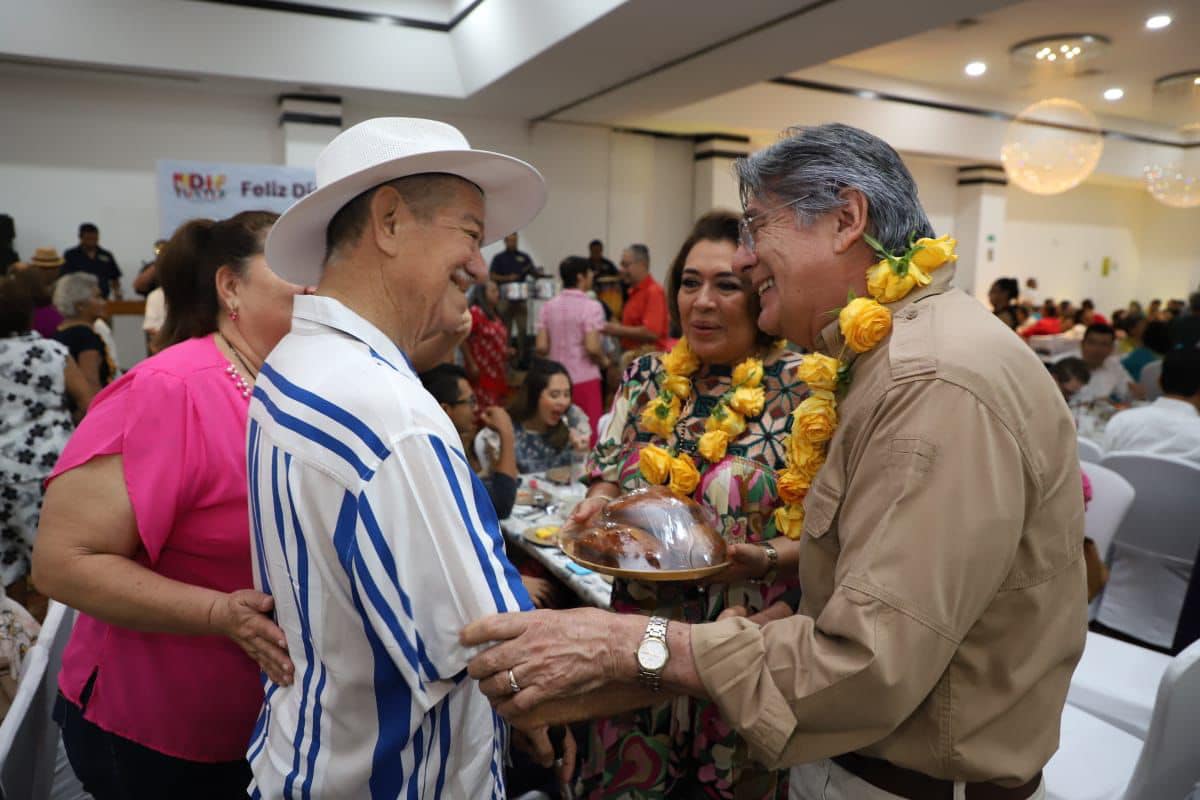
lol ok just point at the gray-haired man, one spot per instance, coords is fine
(943, 607)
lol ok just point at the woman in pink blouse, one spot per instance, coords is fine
(145, 531)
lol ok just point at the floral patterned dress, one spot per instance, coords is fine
(488, 346)
(34, 428)
(682, 748)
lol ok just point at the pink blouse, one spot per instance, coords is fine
(179, 424)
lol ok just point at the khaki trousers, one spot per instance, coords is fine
(825, 780)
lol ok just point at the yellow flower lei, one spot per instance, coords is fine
(864, 323)
(745, 398)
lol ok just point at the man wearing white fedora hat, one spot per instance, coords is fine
(370, 529)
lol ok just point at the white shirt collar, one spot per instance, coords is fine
(1174, 406)
(334, 314)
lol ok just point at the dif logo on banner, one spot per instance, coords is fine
(190, 189)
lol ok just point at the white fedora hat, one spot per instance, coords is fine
(381, 150)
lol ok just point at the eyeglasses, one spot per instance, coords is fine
(468, 400)
(746, 236)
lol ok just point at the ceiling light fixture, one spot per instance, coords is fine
(1060, 49)
(1158, 21)
(975, 69)
(1115, 93)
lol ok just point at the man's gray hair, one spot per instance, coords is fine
(424, 194)
(640, 252)
(73, 289)
(818, 162)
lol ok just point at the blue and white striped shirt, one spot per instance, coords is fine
(378, 544)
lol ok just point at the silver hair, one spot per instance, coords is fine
(640, 252)
(72, 289)
(818, 162)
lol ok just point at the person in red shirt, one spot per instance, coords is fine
(1097, 317)
(1048, 325)
(644, 315)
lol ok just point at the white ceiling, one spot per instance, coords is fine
(581, 60)
(441, 11)
(1136, 57)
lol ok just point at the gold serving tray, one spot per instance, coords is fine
(655, 575)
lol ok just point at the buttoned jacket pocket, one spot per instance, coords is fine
(821, 509)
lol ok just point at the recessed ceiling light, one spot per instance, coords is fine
(1114, 93)
(1063, 51)
(1158, 21)
(975, 69)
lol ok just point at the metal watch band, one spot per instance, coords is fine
(656, 628)
(772, 563)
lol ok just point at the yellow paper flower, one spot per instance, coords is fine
(749, 373)
(804, 458)
(789, 520)
(888, 287)
(655, 464)
(684, 476)
(818, 371)
(681, 360)
(748, 402)
(935, 252)
(792, 486)
(726, 419)
(660, 416)
(816, 418)
(678, 385)
(712, 445)
(864, 323)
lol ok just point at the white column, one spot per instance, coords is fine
(978, 227)
(309, 122)
(714, 185)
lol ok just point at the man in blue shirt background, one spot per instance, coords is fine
(90, 257)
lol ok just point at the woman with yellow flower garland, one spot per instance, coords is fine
(709, 420)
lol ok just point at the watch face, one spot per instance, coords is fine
(652, 655)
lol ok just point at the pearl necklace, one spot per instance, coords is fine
(238, 381)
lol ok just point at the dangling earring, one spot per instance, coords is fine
(233, 315)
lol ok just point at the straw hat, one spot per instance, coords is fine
(381, 150)
(46, 257)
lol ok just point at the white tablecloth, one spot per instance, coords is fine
(593, 588)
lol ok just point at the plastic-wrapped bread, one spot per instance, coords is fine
(648, 530)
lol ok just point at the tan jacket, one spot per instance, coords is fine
(944, 591)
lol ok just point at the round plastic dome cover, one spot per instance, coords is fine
(647, 530)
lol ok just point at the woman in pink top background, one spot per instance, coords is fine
(145, 530)
(568, 331)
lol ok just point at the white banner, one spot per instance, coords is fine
(190, 189)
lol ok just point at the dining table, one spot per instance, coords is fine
(542, 504)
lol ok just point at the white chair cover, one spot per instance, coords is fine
(1090, 452)
(1169, 765)
(1154, 547)
(23, 773)
(1050, 347)
(29, 738)
(1111, 498)
(1148, 380)
(1099, 761)
(1094, 759)
(1118, 682)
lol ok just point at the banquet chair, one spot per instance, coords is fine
(1117, 682)
(1099, 761)
(1148, 379)
(1049, 346)
(1154, 548)
(1111, 498)
(29, 737)
(1090, 452)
